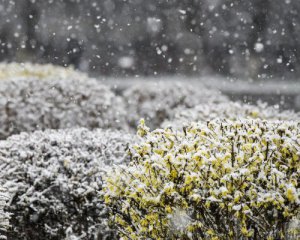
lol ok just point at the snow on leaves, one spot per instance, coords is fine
(228, 110)
(13, 70)
(217, 180)
(55, 178)
(4, 216)
(34, 97)
(157, 102)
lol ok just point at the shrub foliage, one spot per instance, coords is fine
(4, 216)
(219, 180)
(157, 102)
(55, 179)
(228, 110)
(39, 97)
(13, 70)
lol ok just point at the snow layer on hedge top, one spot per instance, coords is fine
(55, 178)
(13, 70)
(216, 180)
(155, 102)
(57, 100)
(4, 216)
(228, 110)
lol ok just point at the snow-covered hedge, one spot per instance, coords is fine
(55, 178)
(4, 216)
(228, 110)
(13, 70)
(156, 102)
(43, 96)
(215, 180)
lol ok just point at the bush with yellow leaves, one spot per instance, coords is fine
(218, 180)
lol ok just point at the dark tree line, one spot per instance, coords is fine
(238, 38)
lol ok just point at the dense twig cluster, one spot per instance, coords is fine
(55, 179)
(157, 102)
(228, 110)
(216, 180)
(38, 97)
(34, 97)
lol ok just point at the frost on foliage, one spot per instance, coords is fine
(229, 110)
(216, 180)
(156, 101)
(4, 216)
(42, 97)
(55, 178)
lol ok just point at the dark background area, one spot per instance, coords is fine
(255, 39)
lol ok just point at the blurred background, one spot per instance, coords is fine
(249, 41)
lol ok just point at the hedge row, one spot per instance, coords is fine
(37, 97)
(228, 110)
(157, 102)
(197, 178)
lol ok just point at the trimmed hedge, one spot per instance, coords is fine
(14, 70)
(228, 110)
(156, 102)
(215, 180)
(55, 179)
(47, 97)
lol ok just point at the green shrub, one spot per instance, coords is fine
(219, 180)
